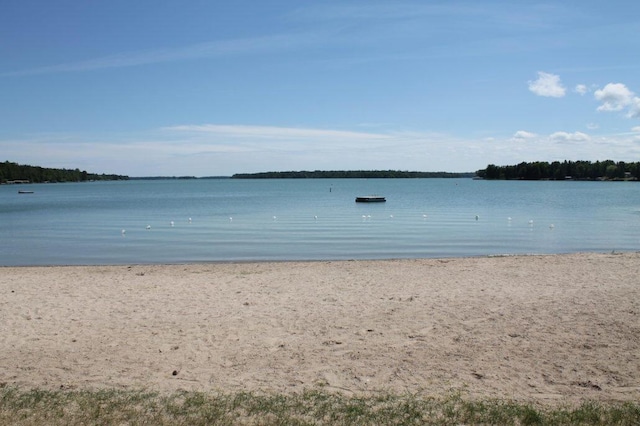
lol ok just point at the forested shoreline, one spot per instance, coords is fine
(349, 174)
(566, 170)
(539, 170)
(19, 173)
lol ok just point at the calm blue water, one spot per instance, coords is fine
(315, 219)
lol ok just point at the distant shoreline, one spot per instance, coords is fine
(351, 174)
(322, 174)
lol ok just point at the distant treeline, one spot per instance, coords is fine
(176, 177)
(346, 174)
(13, 172)
(574, 170)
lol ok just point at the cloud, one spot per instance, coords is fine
(592, 126)
(522, 135)
(617, 97)
(614, 97)
(375, 31)
(274, 132)
(634, 108)
(563, 137)
(581, 89)
(224, 149)
(218, 48)
(547, 85)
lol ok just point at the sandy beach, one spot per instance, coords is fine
(546, 329)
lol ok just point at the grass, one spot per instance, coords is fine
(313, 407)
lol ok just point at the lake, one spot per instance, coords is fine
(211, 220)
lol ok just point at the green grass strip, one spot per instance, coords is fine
(312, 407)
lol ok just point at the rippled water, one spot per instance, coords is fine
(312, 219)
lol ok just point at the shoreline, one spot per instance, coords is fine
(549, 329)
(259, 261)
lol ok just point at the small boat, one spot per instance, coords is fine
(370, 199)
(22, 191)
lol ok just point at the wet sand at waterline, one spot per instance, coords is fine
(546, 329)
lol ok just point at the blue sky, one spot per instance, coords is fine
(214, 88)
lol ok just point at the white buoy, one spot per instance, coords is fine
(124, 231)
(189, 220)
(230, 218)
(391, 216)
(552, 226)
(148, 226)
(315, 217)
(531, 222)
(509, 218)
(171, 223)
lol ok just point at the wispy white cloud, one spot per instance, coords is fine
(563, 145)
(563, 137)
(412, 29)
(221, 149)
(272, 132)
(441, 15)
(581, 89)
(215, 149)
(548, 85)
(273, 43)
(523, 135)
(320, 34)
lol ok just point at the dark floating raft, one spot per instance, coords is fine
(370, 199)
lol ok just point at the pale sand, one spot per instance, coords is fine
(544, 329)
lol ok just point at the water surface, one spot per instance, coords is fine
(176, 221)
